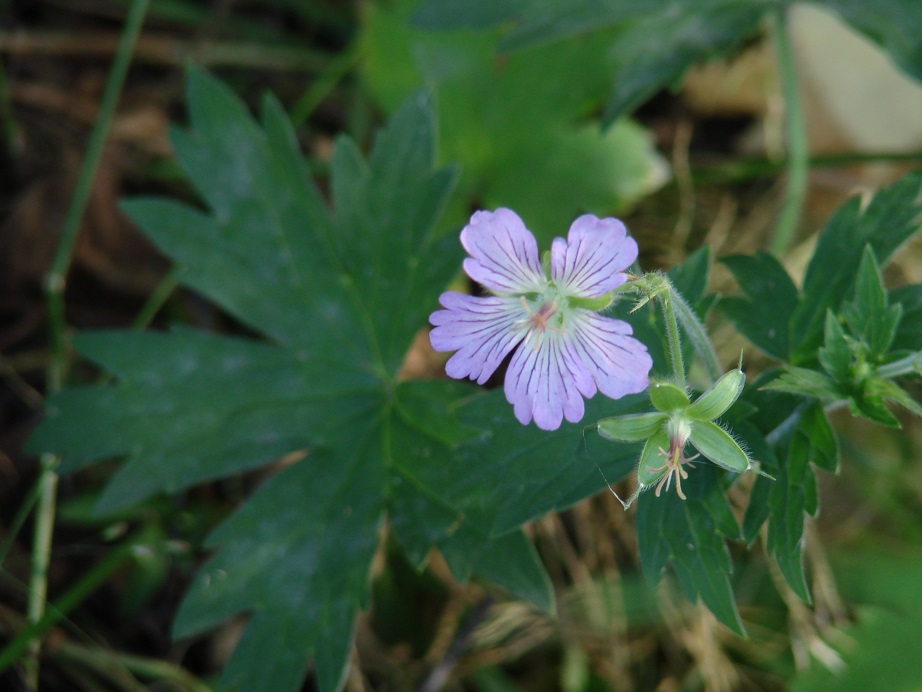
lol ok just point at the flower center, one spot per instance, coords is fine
(539, 320)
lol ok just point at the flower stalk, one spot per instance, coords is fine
(798, 159)
(674, 343)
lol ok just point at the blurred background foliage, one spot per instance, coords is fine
(503, 118)
(698, 164)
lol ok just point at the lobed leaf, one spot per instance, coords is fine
(806, 382)
(690, 535)
(794, 492)
(837, 352)
(889, 219)
(340, 294)
(759, 507)
(296, 557)
(769, 299)
(869, 316)
(908, 334)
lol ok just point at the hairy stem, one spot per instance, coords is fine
(696, 333)
(672, 337)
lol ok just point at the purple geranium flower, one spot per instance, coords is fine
(568, 350)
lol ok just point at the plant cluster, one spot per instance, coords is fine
(610, 370)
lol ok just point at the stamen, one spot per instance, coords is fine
(673, 467)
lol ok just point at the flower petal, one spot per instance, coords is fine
(614, 361)
(481, 330)
(540, 385)
(591, 261)
(503, 253)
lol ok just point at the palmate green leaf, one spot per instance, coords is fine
(690, 535)
(794, 492)
(758, 509)
(518, 125)
(340, 295)
(837, 354)
(767, 428)
(824, 449)
(806, 382)
(785, 435)
(190, 406)
(769, 298)
(889, 220)
(469, 14)
(908, 335)
(296, 556)
(869, 316)
(508, 476)
(469, 500)
(791, 327)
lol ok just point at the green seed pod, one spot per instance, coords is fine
(667, 397)
(631, 428)
(716, 444)
(721, 396)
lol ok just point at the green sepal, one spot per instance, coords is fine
(652, 464)
(718, 446)
(667, 396)
(631, 428)
(721, 396)
(594, 304)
